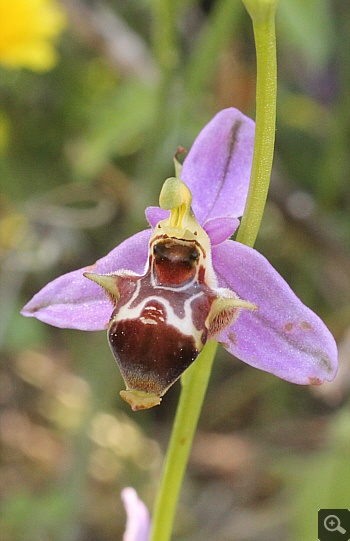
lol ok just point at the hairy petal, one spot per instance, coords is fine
(217, 168)
(72, 301)
(155, 215)
(283, 336)
(138, 519)
(220, 229)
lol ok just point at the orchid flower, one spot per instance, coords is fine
(138, 520)
(167, 290)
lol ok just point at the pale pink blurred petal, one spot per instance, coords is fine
(138, 521)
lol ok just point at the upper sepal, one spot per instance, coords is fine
(218, 166)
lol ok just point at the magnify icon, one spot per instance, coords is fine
(332, 524)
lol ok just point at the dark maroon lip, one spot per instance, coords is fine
(162, 319)
(164, 236)
(174, 263)
(150, 350)
(151, 357)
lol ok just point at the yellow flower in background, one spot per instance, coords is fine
(27, 31)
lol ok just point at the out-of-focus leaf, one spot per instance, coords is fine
(29, 517)
(308, 26)
(220, 28)
(22, 333)
(312, 117)
(116, 128)
(323, 481)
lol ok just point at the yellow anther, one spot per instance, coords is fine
(176, 197)
(182, 223)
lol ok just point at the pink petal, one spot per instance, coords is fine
(220, 229)
(138, 520)
(72, 301)
(283, 337)
(155, 215)
(217, 168)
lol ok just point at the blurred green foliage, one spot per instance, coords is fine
(84, 148)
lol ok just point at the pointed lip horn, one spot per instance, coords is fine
(107, 281)
(240, 303)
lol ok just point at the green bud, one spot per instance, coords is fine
(261, 10)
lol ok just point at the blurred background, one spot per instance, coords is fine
(95, 98)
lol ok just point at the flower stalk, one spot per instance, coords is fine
(194, 384)
(266, 93)
(195, 380)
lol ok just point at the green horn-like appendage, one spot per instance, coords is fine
(224, 303)
(224, 312)
(107, 281)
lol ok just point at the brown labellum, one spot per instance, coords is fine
(158, 327)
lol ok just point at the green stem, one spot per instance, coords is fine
(266, 92)
(196, 378)
(194, 385)
(220, 28)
